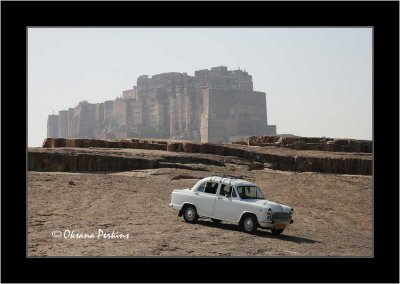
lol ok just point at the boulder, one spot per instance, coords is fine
(191, 147)
(48, 143)
(255, 166)
(174, 147)
(70, 143)
(342, 142)
(112, 144)
(157, 146)
(125, 144)
(299, 145)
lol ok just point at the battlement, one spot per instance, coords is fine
(220, 78)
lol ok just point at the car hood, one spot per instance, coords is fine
(275, 207)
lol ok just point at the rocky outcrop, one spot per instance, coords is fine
(74, 160)
(322, 163)
(343, 165)
(61, 162)
(255, 166)
(99, 143)
(312, 143)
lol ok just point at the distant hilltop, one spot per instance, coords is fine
(214, 105)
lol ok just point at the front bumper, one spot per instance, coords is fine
(276, 223)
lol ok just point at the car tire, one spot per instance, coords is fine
(190, 214)
(276, 232)
(249, 224)
(216, 220)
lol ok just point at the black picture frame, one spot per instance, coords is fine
(382, 16)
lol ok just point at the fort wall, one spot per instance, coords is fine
(52, 126)
(63, 123)
(212, 106)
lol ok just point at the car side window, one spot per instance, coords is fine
(250, 192)
(233, 192)
(211, 187)
(226, 189)
(201, 187)
(240, 191)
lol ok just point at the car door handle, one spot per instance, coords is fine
(196, 193)
(220, 198)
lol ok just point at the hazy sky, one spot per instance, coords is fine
(318, 81)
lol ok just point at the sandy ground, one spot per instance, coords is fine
(333, 215)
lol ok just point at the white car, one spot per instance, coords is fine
(232, 199)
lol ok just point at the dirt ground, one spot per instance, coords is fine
(333, 215)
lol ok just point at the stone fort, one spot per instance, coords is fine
(214, 105)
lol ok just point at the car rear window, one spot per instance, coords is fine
(211, 187)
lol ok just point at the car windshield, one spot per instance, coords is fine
(250, 192)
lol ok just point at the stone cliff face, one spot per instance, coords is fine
(311, 143)
(212, 106)
(64, 155)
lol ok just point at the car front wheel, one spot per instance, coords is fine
(190, 214)
(249, 224)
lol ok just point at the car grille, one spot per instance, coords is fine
(280, 215)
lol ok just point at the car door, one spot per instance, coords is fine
(226, 207)
(207, 196)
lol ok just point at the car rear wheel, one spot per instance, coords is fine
(215, 220)
(190, 214)
(276, 232)
(249, 224)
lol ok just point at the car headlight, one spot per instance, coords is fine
(291, 212)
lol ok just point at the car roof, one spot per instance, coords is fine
(228, 180)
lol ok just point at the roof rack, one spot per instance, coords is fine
(239, 177)
(233, 177)
(213, 177)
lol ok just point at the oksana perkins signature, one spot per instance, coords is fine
(100, 234)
